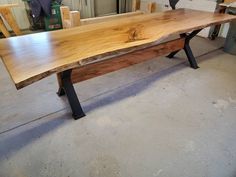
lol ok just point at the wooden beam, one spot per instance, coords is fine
(3, 28)
(7, 15)
(136, 5)
(72, 18)
(65, 17)
(106, 66)
(109, 18)
(75, 18)
(151, 7)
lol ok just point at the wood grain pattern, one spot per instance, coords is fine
(106, 66)
(65, 16)
(75, 18)
(33, 57)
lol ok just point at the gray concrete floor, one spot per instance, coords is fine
(156, 119)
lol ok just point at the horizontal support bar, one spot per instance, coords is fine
(106, 66)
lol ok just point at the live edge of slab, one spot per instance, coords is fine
(33, 57)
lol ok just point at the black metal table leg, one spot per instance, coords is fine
(172, 54)
(68, 89)
(187, 49)
(61, 92)
(173, 3)
(190, 56)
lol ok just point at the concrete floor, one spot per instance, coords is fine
(156, 119)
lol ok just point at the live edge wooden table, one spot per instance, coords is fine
(88, 51)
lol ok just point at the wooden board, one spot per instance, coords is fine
(136, 5)
(3, 6)
(109, 18)
(8, 16)
(229, 1)
(151, 7)
(3, 28)
(33, 57)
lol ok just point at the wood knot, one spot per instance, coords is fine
(135, 33)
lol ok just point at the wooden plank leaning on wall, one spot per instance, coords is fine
(229, 1)
(72, 19)
(150, 6)
(3, 28)
(5, 12)
(136, 5)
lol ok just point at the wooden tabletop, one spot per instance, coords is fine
(32, 57)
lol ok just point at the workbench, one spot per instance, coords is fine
(84, 52)
(6, 13)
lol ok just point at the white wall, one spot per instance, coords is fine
(224, 30)
(105, 7)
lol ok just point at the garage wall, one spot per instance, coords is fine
(105, 7)
(204, 5)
